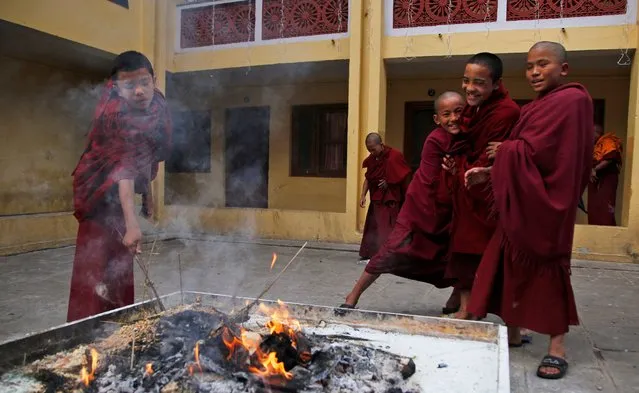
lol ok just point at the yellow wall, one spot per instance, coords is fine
(97, 23)
(285, 191)
(613, 89)
(45, 114)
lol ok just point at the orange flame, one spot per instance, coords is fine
(149, 368)
(197, 355)
(85, 376)
(273, 261)
(280, 322)
(271, 366)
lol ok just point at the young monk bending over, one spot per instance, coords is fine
(131, 133)
(602, 190)
(537, 178)
(417, 246)
(387, 177)
(488, 117)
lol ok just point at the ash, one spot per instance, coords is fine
(336, 365)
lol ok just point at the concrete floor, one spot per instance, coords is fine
(603, 351)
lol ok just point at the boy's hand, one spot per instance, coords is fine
(133, 239)
(448, 164)
(362, 201)
(476, 176)
(492, 149)
(383, 184)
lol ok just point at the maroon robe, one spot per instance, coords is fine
(417, 247)
(391, 166)
(473, 224)
(537, 178)
(602, 194)
(123, 144)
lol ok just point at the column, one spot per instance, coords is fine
(366, 96)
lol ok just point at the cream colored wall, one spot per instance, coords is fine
(45, 113)
(614, 89)
(285, 192)
(97, 23)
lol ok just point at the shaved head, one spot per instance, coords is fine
(445, 96)
(555, 48)
(373, 138)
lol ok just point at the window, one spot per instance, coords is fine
(319, 140)
(191, 143)
(121, 3)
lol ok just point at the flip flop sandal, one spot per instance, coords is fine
(343, 312)
(552, 362)
(526, 338)
(450, 310)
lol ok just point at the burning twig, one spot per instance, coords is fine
(240, 315)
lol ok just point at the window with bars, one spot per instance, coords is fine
(319, 134)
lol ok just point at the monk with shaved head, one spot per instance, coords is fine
(418, 245)
(537, 178)
(386, 180)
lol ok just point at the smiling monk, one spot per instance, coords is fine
(537, 178)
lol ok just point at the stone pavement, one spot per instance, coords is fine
(603, 352)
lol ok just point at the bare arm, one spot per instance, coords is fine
(362, 199)
(133, 235)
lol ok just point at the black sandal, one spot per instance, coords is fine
(339, 311)
(552, 362)
(450, 310)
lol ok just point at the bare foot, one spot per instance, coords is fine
(514, 336)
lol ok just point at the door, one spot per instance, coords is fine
(246, 157)
(418, 124)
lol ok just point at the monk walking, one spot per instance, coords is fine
(602, 190)
(387, 176)
(417, 246)
(488, 117)
(537, 178)
(131, 133)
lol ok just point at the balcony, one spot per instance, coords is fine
(414, 17)
(233, 23)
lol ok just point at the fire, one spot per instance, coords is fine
(265, 363)
(197, 356)
(270, 366)
(85, 376)
(149, 368)
(281, 321)
(273, 261)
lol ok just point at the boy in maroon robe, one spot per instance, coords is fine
(488, 117)
(387, 176)
(602, 190)
(130, 135)
(417, 246)
(537, 178)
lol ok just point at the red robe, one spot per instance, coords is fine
(473, 224)
(391, 166)
(602, 195)
(122, 144)
(417, 246)
(537, 178)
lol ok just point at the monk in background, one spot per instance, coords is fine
(417, 247)
(537, 178)
(386, 180)
(488, 117)
(602, 190)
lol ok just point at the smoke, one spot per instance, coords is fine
(45, 112)
(247, 167)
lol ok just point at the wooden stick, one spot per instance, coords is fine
(147, 278)
(180, 268)
(133, 349)
(238, 316)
